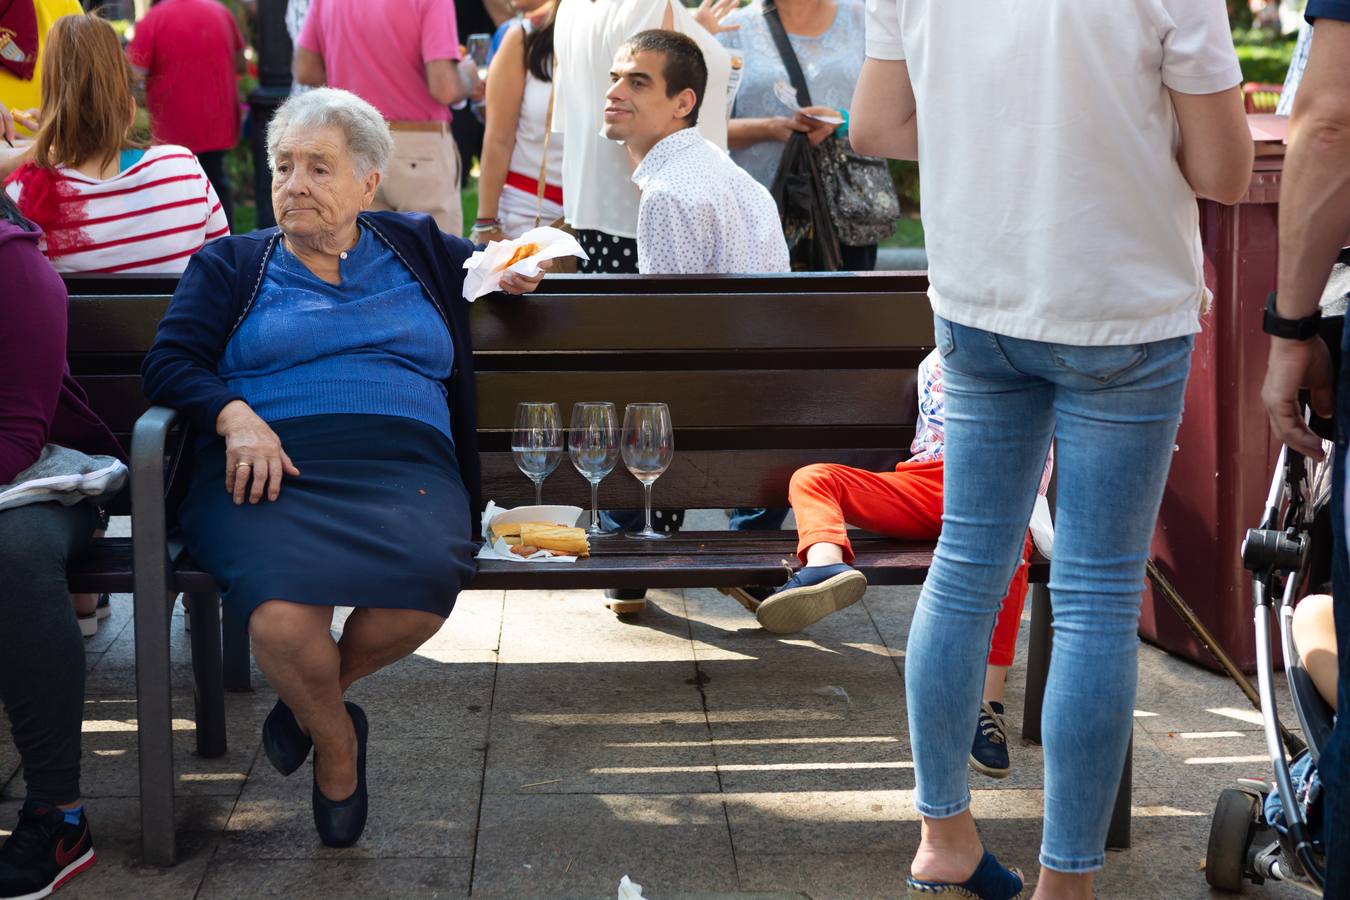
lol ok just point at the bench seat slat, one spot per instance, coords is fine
(688, 560)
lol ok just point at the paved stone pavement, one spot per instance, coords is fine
(540, 747)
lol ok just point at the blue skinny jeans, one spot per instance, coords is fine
(1113, 413)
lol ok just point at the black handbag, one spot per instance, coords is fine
(861, 198)
(803, 208)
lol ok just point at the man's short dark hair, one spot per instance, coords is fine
(685, 68)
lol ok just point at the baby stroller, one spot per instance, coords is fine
(1288, 554)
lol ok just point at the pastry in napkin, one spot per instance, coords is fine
(544, 536)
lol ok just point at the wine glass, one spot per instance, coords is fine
(537, 443)
(479, 47)
(648, 447)
(593, 444)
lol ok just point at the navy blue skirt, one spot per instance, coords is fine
(378, 517)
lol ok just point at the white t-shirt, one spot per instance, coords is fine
(597, 191)
(1053, 205)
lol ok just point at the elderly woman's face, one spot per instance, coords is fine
(316, 189)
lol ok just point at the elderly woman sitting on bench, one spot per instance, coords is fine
(330, 354)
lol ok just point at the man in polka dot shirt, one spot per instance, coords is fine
(700, 213)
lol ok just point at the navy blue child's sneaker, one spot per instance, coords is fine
(989, 753)
(810, 595)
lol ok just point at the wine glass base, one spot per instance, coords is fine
(646, 535)
(601, 531)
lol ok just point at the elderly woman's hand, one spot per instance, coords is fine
(252, 451)
(515, 283)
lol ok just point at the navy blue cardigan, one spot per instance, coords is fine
(221, 285)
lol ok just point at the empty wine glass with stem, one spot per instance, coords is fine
(537, 443)
(648, 447)
(593, 444)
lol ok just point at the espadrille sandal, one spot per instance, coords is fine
(991, 881)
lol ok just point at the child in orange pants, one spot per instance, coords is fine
(906, 503)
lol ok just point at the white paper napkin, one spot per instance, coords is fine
(555, 515)
(483, 276)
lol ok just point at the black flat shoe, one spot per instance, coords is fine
(340, 822)
(286, 746)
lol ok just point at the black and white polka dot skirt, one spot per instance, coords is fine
(609, 254)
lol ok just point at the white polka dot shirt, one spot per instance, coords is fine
(701, 214)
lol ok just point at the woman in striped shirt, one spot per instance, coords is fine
(107, 202)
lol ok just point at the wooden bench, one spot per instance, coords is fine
(763, 375)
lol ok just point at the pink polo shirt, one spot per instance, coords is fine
(377, 49)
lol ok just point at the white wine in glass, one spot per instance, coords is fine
(593, 444)
(537, 443)
(648, 446)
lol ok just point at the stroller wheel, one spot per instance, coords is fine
(1230, 834)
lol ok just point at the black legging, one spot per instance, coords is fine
(41, 651)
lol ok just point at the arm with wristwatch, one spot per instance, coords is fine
(1314, 222)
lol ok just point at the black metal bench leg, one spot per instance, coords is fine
(238, 673)
(1118, 835)
(207, 673)
(1040, 640)
(154, 713)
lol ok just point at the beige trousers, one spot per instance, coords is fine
(423, 177)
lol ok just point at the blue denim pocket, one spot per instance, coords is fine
(942, 336)
(1102, 365)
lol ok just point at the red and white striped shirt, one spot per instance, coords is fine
(150, 217)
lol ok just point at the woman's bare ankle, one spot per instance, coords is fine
(335, 764)
(1053, 885)
(949, 850)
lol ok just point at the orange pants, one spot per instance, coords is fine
(907, 504)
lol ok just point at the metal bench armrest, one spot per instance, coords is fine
(152, 577)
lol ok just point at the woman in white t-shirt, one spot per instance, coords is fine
(1062, 145)
(517, 141)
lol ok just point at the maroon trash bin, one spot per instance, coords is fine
(1225, 454)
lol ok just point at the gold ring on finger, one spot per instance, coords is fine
(240, 465)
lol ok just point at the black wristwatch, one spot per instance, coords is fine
(1292, 329)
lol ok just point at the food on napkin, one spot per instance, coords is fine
(538, 536)
(523, 255)
(558, 538)
(524, 251)
(509, 531)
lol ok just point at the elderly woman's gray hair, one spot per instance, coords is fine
(368, 138)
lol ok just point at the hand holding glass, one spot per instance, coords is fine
(648, 447)
(593, 443)
(536, 443)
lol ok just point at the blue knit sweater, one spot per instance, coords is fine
(221, 286)
(371, 344)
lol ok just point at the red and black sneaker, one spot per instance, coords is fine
(44, 852)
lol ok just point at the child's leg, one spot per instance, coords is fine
(1004, 642)
(906, 503)
(1315, 638)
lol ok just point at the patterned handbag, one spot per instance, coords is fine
(863, 201)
